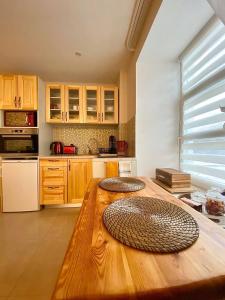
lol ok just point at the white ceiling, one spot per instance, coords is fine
(42, 36)
(176, 24)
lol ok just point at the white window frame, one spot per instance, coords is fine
(220, 75)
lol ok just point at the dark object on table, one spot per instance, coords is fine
(122, 184)
(215, 206)
(112, 144)
(197, 206)
(103, 150)
(214, 220)
(150, 224)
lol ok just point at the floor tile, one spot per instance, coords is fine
(32, 249)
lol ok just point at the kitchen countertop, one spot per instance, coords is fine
(60, 156)
(80, 156)
(97, 266)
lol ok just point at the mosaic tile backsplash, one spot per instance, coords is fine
(80, 135)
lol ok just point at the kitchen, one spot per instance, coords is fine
(73, 112)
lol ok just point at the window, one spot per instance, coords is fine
(203, 93)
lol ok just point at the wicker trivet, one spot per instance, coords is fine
(150, 224)
(122, 184)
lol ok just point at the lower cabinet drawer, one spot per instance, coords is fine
(53, 195)
(53, 175)
(53, 162)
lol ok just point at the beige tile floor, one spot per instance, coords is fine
(32, 248)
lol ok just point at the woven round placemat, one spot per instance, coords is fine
(150, 224)
(122, 184)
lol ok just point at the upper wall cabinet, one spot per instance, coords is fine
(91, 103)
(109, 105)
(73, 104)
(18, 92)
(81, 104)
(27, 92)
(64, 104)
(8, 92)
(55, 103)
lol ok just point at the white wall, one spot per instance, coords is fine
(158, 83)
(127, 79)
(157, 116)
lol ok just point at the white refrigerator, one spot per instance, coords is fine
(20, 185)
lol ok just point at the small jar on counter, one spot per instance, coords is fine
(215, 203)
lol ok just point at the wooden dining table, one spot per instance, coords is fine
(97, 266)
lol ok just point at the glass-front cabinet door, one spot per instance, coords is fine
(55, 103)
(73, 104)
(92, 104)
(109, 105)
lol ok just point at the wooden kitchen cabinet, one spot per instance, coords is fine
(73, 104)
(64, 180)
(111, 169)
(53, 181)
(100, 105)
(81, 104)
(18, 92)
(79, 175)
(8, 91)
(28, 92)
(103, 169)
(92, 104)
(55, 107)
(109, 105)
(53, 195)
(64, 103)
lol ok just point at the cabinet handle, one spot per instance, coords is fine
(99, 117)
(53, 160)
(69, 165)
(19, 102)
(62, 116)
(53, 187)
(52, 169)
(102, 117)
(15, 102)
(66, 116)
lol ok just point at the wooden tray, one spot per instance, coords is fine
(175, 190)
(173, 177)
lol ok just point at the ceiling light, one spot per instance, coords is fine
(77, 53)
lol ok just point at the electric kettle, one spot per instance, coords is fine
(56, 148)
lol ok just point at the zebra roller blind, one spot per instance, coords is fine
(203, 98)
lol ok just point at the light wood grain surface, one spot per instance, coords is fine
(97, 267)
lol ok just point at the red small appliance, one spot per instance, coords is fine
(20, 118)
(56, 147)
(122, 147)
(71, 149)
(30, 119)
